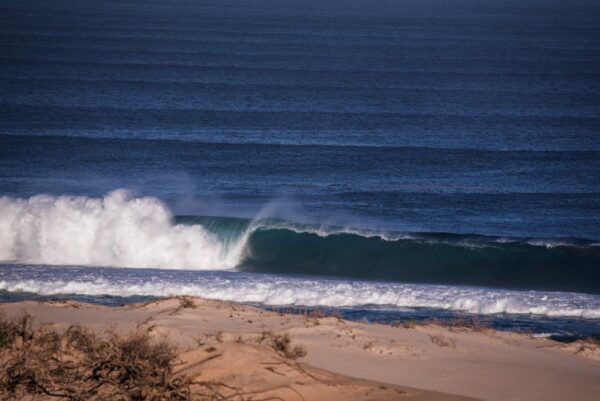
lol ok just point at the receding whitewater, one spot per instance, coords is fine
(537, 312)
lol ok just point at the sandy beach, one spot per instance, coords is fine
(333, 359)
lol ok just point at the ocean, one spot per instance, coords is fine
(388, 160)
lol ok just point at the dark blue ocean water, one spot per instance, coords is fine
(468, 129)
(457, 116)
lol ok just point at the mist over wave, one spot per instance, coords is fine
(117, 230)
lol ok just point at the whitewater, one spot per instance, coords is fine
(117, 230)
(122, 248)
(279, 290)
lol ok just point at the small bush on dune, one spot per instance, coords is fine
(473, 323)
(317, 313)
(588, 344)
(442, 341)
(79, 365)
(11, 329)
(592, 341)
(186, 301)
(407, 324)
(282, 343)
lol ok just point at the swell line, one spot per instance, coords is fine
(121, 230)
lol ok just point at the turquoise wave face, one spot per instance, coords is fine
(277, 246)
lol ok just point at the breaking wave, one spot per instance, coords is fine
(116, 230)
(120, 230)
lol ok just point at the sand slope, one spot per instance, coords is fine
(345, 360)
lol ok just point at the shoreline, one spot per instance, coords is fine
(568, 315)
(344, 359)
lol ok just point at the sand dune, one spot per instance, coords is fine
(241, 346)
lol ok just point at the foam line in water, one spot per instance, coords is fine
(281, 290)
(116, 230)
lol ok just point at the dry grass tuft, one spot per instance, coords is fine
(312, 316)
(407, 324)
(282, 343)
(317, 314)
(10, 330)
(588, 344)
(77, 365)
(592, 341)
(442, 341)
(473, 323)
(186, 301)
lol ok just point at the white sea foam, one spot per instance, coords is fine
(116, 230)
(297, 291)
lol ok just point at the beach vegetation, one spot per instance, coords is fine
(282, 343)
(471, 323)
(442, 341)
(407, 324)
(77, 364)
(186, 302)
